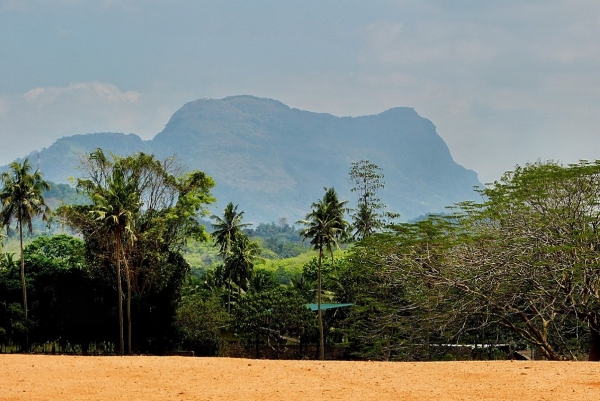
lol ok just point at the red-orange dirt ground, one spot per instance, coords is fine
(145, 378)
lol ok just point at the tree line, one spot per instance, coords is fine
(518, 269)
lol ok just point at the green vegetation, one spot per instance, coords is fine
(282, 240)
(21, 200)
(290, 266)
(200, 321)
(272, 315)
(367, 179)
(325, 227)
(519, 269)
(142, 211)
(58, 194)
(201, 256)
(232, 243)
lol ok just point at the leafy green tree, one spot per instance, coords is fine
(170, 203)
(12, 319)
(263, 280)
(524, 263)
(365, 222)
(21, 200)
(226, 229)
(323, 227)
(330, 272)
(367, 179)
(304, 286)
(68, 304)
(214, 282)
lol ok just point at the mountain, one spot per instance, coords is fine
(59, 162)
(274, 160)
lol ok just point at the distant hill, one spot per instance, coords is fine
(274, 160)
(60, 161)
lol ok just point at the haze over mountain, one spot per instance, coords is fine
(274, 161)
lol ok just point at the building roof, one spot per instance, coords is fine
(314, 307)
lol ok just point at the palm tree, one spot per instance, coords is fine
(225, 230)
(304, 287)
(22, 200)
(336, 210)
(115, 207)
(324, 225)
(366, 221)
(239, 263)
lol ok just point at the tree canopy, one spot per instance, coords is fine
(150, 207)
(519, 269)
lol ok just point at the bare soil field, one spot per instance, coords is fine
(149, 378)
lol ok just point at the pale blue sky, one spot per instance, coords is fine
(505, 82)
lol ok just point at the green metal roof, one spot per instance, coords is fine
(314, 307)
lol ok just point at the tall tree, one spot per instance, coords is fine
(336, 210)
(22, 200)
(226, 229)
(115, 207)
(365, 222)
(323, 226)
(367, 179)
(164, 203)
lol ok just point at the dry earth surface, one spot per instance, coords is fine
(145, 378)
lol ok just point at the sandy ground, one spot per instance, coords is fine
(142, 378)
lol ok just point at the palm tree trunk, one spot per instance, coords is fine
(128, 280)
(229, 294)
(319, 312)
(120, 293)
(24, 284)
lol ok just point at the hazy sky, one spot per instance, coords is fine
(505, 82)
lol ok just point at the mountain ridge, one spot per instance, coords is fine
(274, 160)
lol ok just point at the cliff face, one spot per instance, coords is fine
(274, 161)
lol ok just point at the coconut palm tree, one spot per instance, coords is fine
(366, 221)
(336, 210)
(324, 226)
(239, 263)
(115, 208)
(225, 230)
(22, 200)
